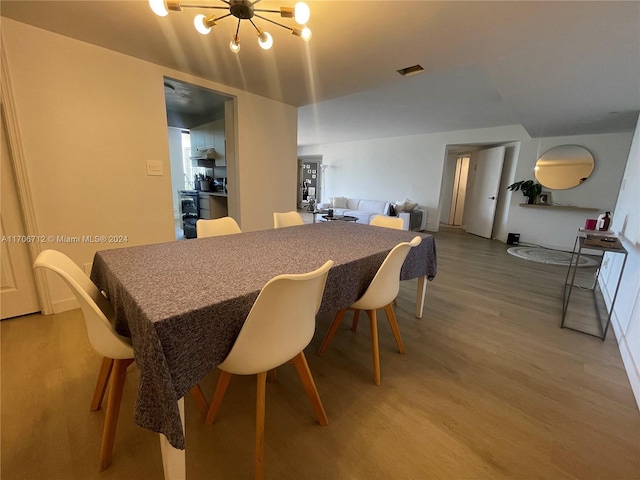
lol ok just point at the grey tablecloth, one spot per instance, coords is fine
(184, 303)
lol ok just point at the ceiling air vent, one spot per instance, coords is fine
(405, 72)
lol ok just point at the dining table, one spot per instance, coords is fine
(183, 303)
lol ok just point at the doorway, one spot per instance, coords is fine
(453, 214)
(471, 183)
(309, 181)
(201, 126)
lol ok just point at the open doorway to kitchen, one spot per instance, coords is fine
(201, 129)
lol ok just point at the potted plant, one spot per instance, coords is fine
(529, 189)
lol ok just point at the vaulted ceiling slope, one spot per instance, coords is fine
(557, 68)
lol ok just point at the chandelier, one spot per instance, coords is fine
(242, 10)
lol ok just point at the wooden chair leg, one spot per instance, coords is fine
(260, 413)
(354, 325)
(218, 395)
(374, 345)
(300, 361)
(332, 331)
(118, 376)
(101, 384)
(198, 396)
(394, 327)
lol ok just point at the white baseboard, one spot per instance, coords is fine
(631, 364)
(65, 305)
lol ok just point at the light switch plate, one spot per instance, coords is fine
(154, 167)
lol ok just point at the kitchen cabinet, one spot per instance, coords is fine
(202, 136)
(213, 206)
(210, 134)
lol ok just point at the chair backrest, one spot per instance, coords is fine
(385, 285)
(217, 226)
(387, 222)
(287, 219)
(281, 322)
(96, 309)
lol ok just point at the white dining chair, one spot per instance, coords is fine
(279, 326)
(116, 350)
(287, 219)
(380, 294)
(216, 226)
(395, 223)
(387, 222)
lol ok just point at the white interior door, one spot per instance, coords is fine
(17, 286)
(485, 170)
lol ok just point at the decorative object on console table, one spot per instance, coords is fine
(603, 221)
(529, 189)
(590, 224)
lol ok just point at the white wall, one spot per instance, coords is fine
(626, 223)
(89, 119)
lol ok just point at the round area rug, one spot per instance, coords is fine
(553, 257)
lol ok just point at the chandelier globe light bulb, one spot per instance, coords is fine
(157, 6)
(265, 40)
(198, 22)
(234, 45)
(301, 13)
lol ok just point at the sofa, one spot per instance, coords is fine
(364, 210)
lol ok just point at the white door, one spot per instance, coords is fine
(17, 286)
(485, 170)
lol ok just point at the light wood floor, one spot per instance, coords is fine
(490, 388)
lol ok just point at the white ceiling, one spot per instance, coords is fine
(557, 68)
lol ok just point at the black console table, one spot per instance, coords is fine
(569, 282)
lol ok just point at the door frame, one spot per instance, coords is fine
(23, 188)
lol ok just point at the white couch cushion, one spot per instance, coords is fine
(374, 206)
(339, 202)
(405, 205)
(353, 204)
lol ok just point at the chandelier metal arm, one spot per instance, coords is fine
(266, 10)
(272, 21)
(258, 29)
(206, 6)
(221, 17)
(237, 29)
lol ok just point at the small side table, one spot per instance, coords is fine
(317, 212)
(578, 246)
(342, 218)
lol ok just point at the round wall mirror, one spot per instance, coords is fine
(564, 167)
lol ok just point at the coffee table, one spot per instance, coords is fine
(344, 218)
